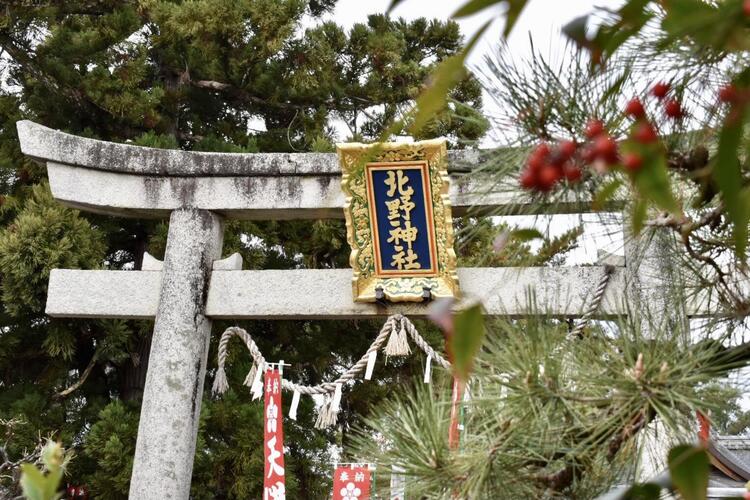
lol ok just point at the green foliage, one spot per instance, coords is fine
(466, 339)
(514, 8)
(110, 444)
(548, 415)
(728, 170)
(43, 236)
(688, 468)
(45, 484)
(447, 75)
(451, 71)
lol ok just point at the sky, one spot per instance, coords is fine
(542, 20)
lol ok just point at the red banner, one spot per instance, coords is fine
(273, 439)
(351, 483)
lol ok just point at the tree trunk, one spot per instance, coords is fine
(134, 371)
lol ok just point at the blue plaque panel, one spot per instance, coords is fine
(401, 217)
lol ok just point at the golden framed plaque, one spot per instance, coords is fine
(398, 221)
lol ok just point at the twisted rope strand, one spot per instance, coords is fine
(423, 345)
(596, 301)
(326, 387)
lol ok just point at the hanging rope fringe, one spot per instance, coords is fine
(398, 345)
(220, 382)
(326, 418)
(251, 375)
(329, 413)
(396, 326)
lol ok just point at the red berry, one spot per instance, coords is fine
(606, 149)
(542, 150)
(572, 172)
(645, 133)
(567, 148)
(538, 157)
(588, 155)
(548, 175)
(728, 93)
(535, 162)
(635, 109)
(660, 90)
(673, 108)
(632, 161)
(746, 8)
(527, 179)
(594, 128)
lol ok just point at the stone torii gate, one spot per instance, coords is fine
(197, 191)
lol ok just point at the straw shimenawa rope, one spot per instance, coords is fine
(394, 325)
(395, 329)
(596, 302)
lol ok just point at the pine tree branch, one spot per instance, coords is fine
(75, 96)
(636, 424)
(561, 479)
(81, 380)
(236, 93)
(66, 7)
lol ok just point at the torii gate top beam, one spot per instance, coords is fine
(46, 144)
(133, 181)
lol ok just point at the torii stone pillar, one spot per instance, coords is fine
(177, 365)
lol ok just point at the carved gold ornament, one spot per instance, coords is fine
(398, 220)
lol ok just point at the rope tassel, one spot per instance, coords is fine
(326, 417)
(398, 345)
(329, 412)
(220, 381)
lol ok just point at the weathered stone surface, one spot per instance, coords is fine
(326, 293)
(231, 263)
(103, 294)
(47, 144)
(322, 293)
(256, 198)
(171, 405)
(151, 263)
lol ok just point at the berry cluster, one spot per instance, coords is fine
(547, 166)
